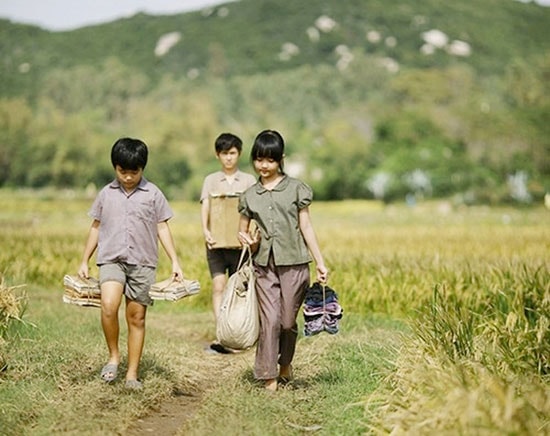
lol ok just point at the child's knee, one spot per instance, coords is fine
(109, 310)
(136, 321)
(135, 316)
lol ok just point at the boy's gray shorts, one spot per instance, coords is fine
(136, 279)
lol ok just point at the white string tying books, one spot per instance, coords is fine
(82, 292)
(86, 292)
(172, 290)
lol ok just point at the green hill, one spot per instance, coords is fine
(376, 99)
(247, 37)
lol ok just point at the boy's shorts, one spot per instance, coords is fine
(136, 279)
(221, 260)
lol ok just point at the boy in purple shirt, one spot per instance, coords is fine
(129, 216)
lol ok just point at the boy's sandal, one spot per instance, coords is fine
(134, 385)
(109, 372)
(219, 348)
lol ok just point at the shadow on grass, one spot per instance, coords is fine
(298, 383)
(151, 369)
(150, 365)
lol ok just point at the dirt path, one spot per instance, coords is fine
(170, 418)
(180, 341)
(182, 405)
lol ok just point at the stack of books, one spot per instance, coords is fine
(86, 292)
(172, 290)
(82, 292)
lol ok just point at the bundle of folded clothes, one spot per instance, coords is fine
(322, 312)
(83, 292)
(173, 290)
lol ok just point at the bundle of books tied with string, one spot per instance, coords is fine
(82, 292)
(86, 292)
(173, 290)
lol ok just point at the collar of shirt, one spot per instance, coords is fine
(236, 176)
(142, 185)
(279, 187)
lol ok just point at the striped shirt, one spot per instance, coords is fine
(128, 223)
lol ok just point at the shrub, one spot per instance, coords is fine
(12, 307)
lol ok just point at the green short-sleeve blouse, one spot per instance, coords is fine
(276, 213)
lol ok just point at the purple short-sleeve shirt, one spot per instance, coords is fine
(128, 223)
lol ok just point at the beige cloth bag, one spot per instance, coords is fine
(238, 323)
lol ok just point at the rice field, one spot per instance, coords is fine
(470, 285)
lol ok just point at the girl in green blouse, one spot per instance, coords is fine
(283, 248)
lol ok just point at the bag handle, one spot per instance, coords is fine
(246, 248)
(324, 301)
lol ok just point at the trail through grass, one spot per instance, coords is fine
(477, 280)
(53, 385)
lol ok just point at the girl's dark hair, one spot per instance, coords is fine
(129, 154)
(269, 144)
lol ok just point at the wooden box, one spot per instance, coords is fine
(224, 220)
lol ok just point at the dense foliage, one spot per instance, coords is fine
(409, 101)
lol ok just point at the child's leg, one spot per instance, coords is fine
(135, 317)
(294, 282)
(269, 300)
(111, 296)
(219, 261)
(218, 285)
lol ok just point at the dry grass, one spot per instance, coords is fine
(12, 307)
(433, 395)
(477, 367)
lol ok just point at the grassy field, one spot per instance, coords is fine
(445, 330)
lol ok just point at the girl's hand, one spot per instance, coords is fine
(322, 274)
(246, 239)
(251, 241)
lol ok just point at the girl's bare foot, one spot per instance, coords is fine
(271, 384)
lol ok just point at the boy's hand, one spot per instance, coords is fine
(210, 241)
(177, 273)
(83, 272)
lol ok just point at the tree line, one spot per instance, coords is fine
(363, 132)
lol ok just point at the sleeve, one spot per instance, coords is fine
(97, 207)
(163, 209)
(304, 195)
(205, 188)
